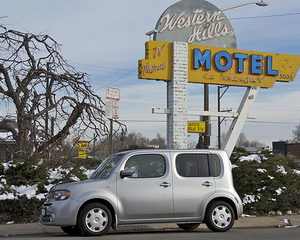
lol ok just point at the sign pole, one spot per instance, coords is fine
(112, 111)
(110, 137)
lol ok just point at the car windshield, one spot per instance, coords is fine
(106, 167)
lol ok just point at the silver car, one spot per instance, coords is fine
(186, 187)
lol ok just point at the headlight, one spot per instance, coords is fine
(59, 195)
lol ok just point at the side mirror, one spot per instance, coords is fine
(126, 173)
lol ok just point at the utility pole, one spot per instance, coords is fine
(219, 110)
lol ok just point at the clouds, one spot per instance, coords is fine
(106, 39)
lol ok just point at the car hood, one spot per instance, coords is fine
(72, 185)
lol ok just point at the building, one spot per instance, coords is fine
(7, 143)
(7, 147)
(283, 148)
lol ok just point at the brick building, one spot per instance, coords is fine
(283, 148)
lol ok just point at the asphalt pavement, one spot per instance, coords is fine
(285, 221)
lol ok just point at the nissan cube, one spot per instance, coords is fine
(186, 187)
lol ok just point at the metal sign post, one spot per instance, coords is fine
(112, 111)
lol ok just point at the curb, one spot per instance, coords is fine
(286, 221)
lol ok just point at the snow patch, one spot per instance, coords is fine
(296, 172)
(281, 169)
(249, 158)
(249, 199)
(279, 191)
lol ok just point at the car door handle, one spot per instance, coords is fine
(207, 184)
(165, 184)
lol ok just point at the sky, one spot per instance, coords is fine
(105, 38)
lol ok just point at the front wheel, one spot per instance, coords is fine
(219, 216)
(95, 219)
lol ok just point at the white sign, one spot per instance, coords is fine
(108, 108)
(112, 109)
(113, 93)
(115, 109)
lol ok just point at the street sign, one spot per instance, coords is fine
(115, 109)
(82, 154)
(112, 109)
(196, 127)
(108, 108)
(112, 103)
(81, 144)
(113, 93)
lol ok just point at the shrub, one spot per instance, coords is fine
(21, 210)
(26, 173)
(267, 185)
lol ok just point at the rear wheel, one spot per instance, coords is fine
(188, 226)
(219, 216)
(95, 219)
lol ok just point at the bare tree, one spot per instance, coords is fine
(159, 141)
(45, 91)
(296, 133)
(244, 142)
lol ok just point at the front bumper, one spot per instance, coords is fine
(60, 213)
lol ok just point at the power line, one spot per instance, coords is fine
(144, 121)
(213, 120)
(266, 16)
(273, 122)
(96, 68)
(118, 79)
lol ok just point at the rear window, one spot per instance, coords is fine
(198, 165)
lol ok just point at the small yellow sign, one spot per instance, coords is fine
(196, 127)
(158, 61)
(82, 145)
(82, 154)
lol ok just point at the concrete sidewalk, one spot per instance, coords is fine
(243, 222)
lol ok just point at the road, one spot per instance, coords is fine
(203, 234)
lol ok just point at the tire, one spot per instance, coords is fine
(95, 219)
(188, 226)
(219, 216)
(71, 230)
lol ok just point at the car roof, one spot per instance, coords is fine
(173, 150)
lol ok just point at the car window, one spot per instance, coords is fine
(106, 167)
(187, 165)
(214, 165)
(147, 165)
(198, 165)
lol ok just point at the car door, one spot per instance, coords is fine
(147, 194)
(193, 183)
